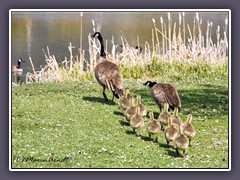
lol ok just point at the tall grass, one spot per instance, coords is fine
(176, 49)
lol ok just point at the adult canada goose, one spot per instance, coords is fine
(17, 67)
(137, 121)
(138, 50)
(125, 100)
(131, 110)
(188, 129)
(164, 93)
(107, 73)
(181, 142)
(176, 120)
(170, 132)
(143, 109)
(163, 116)
(153, 127)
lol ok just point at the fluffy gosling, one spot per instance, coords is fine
(137, 121)
(131, 109)
(143, 109)
(170, 132)
(176, 120)
(153, 127)
(188, 129)
(163, 116)
(181, 142)
(124, 101)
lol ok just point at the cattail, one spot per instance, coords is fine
(169, 37)
(163, 38)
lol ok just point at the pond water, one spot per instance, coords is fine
(33, 31)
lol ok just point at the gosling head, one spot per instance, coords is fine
(189, 118)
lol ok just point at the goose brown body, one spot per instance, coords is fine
(164, 93)
(107, 73)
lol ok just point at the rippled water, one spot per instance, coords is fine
(34, 31)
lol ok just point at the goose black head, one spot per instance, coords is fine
(118, 93)
(97, 35)
(19, 63)
(138, 50)
(149, 84)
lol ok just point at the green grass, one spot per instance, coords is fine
(70, 122)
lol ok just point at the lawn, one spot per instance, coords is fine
(68, 125)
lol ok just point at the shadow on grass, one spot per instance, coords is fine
(124, 123)
(130, 132)
(165, 145)
(118, 113)
(99, 100)
(146, 138)
(173, 153)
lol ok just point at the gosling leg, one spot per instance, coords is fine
(177, 151)
(190, 143)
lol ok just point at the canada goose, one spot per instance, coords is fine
(17, 68)
(153, 127)
(131, 109)
(107, 73)
(124, 101)
(143, 109)
(188, 129)
(163, 116)
(164, 93)
(170, 132)
(138, 50)
(181, 142)
(137, 121)
(176, 120)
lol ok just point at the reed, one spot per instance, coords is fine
(169, 44)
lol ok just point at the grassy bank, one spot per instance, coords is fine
(68, 125)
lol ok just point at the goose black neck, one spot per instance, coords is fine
(99, 36)
(19, 64)
(149, 83)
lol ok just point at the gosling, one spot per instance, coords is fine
(124, 101)
(163, 116)
(176, 120)
(137, 122)
(143, 109)
(181, 142)
(131, 110)
(153, 127)
(188, 129)
(170, 132)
